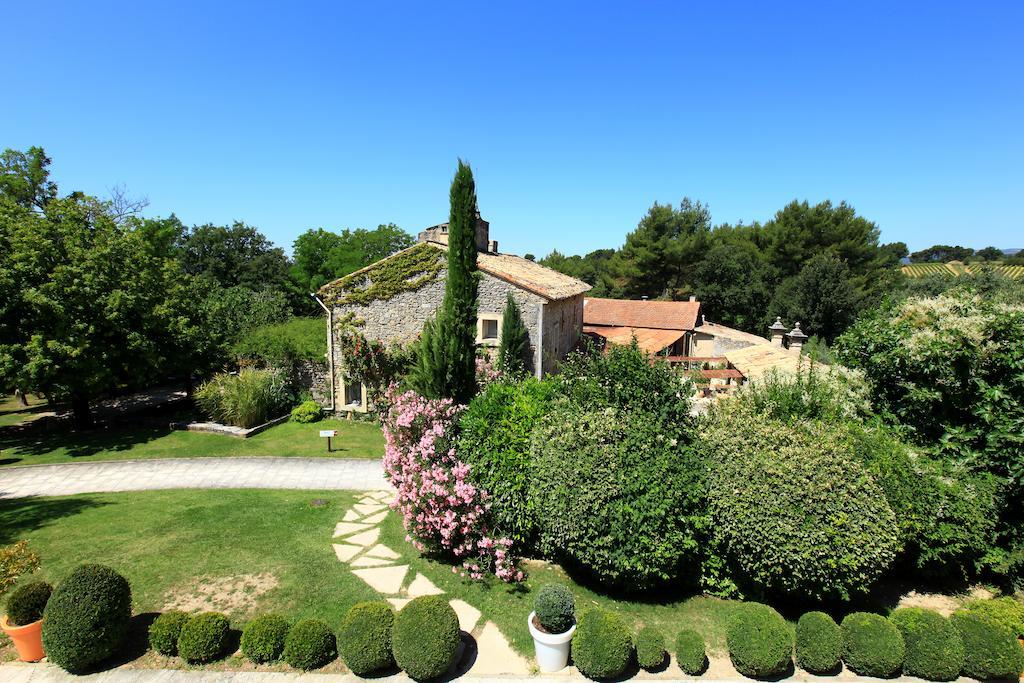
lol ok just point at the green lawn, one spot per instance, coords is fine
(12, 411)
(173, 544)
(19, 447)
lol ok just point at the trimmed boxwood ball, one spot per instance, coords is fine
(691, 654)
(760, 642)
(602, 645)
(819, 643)
(263, 638)
(27, 602)
(203, 637)
(872, 645)
(990, 652)
(555, 608)
(165, 631)
(425, 637)
(364, 640)
(935, 651)
(86, 618)
(650, 648)
(310, 645)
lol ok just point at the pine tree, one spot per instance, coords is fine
(514, 347)
(446, 362)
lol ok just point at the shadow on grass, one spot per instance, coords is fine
(23, 515)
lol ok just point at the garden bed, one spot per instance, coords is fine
(227, 430)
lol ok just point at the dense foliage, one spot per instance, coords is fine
(165, 631)
(321, 256)
(829, 531)
(1006, 612)
(15, 560)
(307, 412)
(691, 654)
(760, 643)
(263, 638)
(364, 640)
(245, 399)
(310, 644)
(282, 345)
(819, 643)
(203, 638)
(934, 649)
(26, 603)
(86, 618)
(990, 652)
(650, 648)
(555, 608)
(602, 644)
(872, 645)
(425, 637)
(514, 347)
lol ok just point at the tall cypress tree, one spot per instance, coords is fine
(514, 338)
(446, 362)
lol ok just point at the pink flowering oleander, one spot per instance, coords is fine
(442, 510)
(486, 372)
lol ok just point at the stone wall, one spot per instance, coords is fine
(313, 376)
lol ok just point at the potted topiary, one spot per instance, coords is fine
(23, 622)
(552, 624)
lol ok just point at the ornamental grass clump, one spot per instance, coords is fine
(691, 654)
(165, 631)
(759, 640)
(934, 648)
(263, 638)
(650, 648)
(310, 644)
(364, 640)
(990, 651)
(555, 608)
(425, 637)
(246, 399)
(86, 618)
(442, 510)
(819, 643)
(872, 645)
(203, 638)
(26, 604)
(602, 645)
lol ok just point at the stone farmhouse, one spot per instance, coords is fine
(392, 299)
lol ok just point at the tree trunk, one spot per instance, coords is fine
(189, 386)
(81, 411)
(22, 396)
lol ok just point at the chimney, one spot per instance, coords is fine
(778, 331)
(492, 246)
(693, 297)
(796, 338)
(483, 234)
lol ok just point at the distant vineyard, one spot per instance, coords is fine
(955, 268)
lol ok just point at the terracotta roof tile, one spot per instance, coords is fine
(650, 340)
(662, 315)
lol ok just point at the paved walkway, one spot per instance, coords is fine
(192, 473)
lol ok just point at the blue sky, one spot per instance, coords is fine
(576, 117)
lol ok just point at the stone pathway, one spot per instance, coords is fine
(192, 473)
(357, 544)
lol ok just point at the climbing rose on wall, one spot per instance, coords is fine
(441, 509)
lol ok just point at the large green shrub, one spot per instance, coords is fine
(828, 532)
(990, 652)
(263, 638)
(310, 644)
(246, 399)
(602, 644)
(165, 631)
(811, 393)
(650, 648)
(284, 344)
(364, 640)
(872, 645)
(1006, 612)
(555, 608)
(203, 638)
(307, 412)
(819, 643)
(86, 618)
(691, 654)
(935, 651)
(760, 642)
(27, 602)
(425, 637)
(618, 496)
(495, 443)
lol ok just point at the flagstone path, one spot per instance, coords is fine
(357, 544)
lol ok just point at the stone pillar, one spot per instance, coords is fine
(778, 331)
(796, 338)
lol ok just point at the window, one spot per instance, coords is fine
(353, 394)
(488, 329)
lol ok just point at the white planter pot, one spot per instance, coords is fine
(552, 648)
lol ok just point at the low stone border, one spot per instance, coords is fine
(227, 430)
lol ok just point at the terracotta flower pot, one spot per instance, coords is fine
(28, 639)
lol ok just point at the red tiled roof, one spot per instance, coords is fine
(661, 315)
(721, 373)
(651, 341)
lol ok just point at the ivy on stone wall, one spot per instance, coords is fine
(406, 271)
